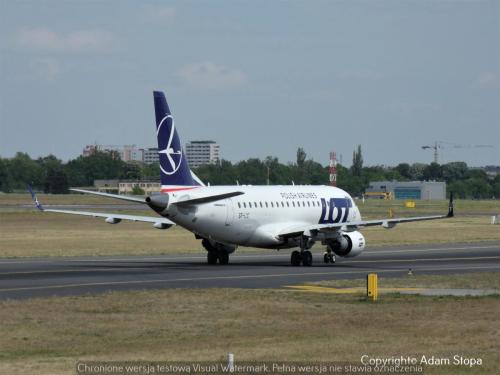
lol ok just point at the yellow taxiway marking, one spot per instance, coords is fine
(357, 290)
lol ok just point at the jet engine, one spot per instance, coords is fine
(158, 202)
(347, 245)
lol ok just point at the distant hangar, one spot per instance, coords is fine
(426, 190)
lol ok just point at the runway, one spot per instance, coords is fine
(40, 277)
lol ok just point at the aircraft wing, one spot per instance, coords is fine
(116, 196)
(353, 225)
(114, 218)
(111, 218)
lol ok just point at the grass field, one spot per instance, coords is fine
(32, 233)
(43, 336)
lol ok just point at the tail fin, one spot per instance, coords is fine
(174, 168)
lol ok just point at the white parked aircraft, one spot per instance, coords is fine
(225, 217)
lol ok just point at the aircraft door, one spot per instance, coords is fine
(229, 212)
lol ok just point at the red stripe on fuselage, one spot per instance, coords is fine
(170, 190)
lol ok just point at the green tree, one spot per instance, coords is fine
(454, 171)
(5, 178)
(83, 170)
(136, 190)
(55, 180)
(417, 171)
(433, 172)
(404, 170)
(357, 162)
(23, 170)
(132, 171)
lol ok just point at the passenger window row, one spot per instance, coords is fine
(279, 204)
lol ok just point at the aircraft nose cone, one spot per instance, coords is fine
(158, 202)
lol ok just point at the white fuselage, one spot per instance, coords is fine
(256, 217)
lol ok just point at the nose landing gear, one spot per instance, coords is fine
(329, 257)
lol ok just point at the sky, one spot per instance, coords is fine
(259, 77)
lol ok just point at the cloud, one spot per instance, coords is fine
(488, 80)
(209, 76)
(43, 39)
(46, 67)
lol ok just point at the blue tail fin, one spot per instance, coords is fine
(173, 163)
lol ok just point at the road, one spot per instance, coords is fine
(40, 277)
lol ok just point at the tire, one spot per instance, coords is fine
(307, 258)
(295, 258)
(223, 257)
(332, 259)
(326, 258)
(212, 257)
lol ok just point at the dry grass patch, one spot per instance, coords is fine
(187, 325)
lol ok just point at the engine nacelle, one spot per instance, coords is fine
(347, 245)
(112, 220)
(160, 225)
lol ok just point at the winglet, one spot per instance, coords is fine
(450, 206)
(35, 199)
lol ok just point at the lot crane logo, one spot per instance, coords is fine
(170, 149)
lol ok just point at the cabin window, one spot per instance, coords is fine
(255, 204)
(308, 204)
(293, 204)
(272, 204)
(250, 204)
(267, 205)
(260, 204)
(277, 204)
(239, 205)
(282, 204)
(244, 205)
(288, 204)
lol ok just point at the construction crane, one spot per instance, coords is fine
(441, 144)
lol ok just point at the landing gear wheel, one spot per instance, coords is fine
(326, 258)
(223, 257)
(212, 257)
(295, 258)
(332, 258)
(307, 258)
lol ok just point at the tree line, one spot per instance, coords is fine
(51, 175)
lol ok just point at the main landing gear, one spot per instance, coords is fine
(217, 255)
(301, 257)
(216, 252)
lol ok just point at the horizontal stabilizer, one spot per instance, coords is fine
(210, 198)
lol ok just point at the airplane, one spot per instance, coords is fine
(225, 217)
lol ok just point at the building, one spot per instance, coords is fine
(92, 149)
(150, 155)
(202, 153)
(127, 152)
(427, 190)
(130, 153)
(106, 186)
(149, 187)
